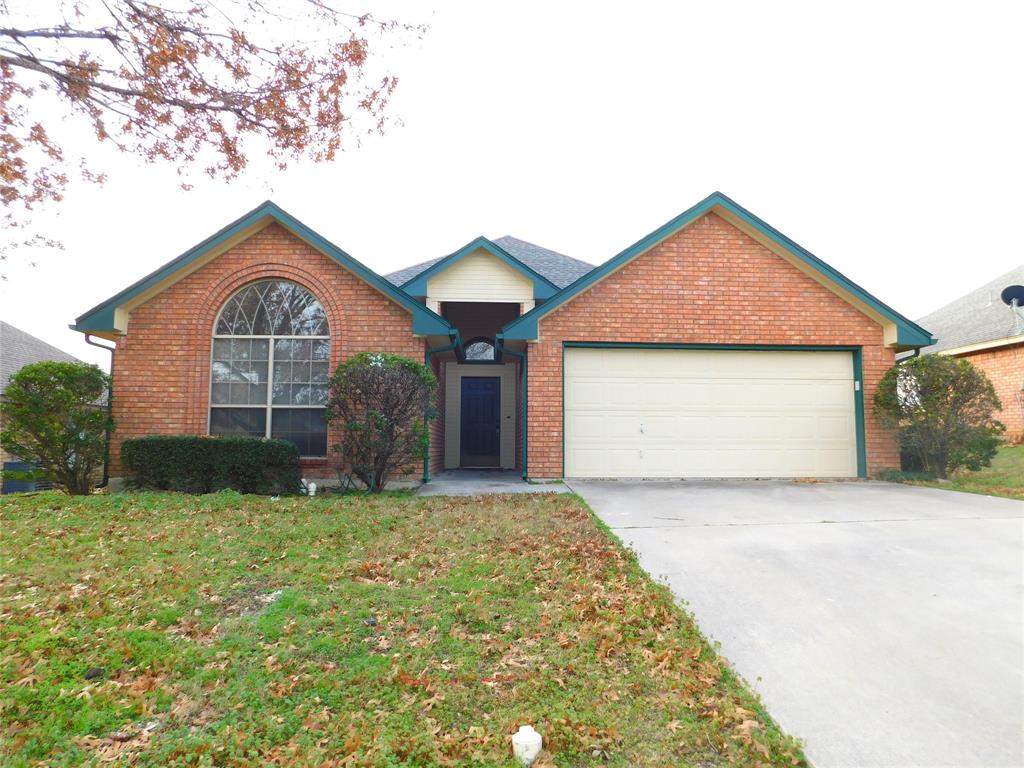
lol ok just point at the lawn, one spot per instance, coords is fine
(1004, 478)
(162, 629)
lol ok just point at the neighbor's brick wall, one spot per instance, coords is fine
(1005, 368)
(162, 365)
(709, 283)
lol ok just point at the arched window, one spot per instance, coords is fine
(480, 350)
(271, 352)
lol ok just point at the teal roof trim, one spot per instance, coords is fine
(542, 287)
(100, 319)
(524, 328)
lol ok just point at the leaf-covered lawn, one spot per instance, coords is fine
(161, 629)
(1004, 478)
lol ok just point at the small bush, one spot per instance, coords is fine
(207, 464)
(53, 419)
(941, 409)
(381, 402)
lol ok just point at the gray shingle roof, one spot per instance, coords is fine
(556, 267)
(18, 348)
(976, 317)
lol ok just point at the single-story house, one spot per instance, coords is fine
(984, 329)
(18, 349)
(714, 346)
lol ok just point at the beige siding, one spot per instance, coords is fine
(480, 276)
(697, 413)
(453, 410)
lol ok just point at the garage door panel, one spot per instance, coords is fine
(709, 413)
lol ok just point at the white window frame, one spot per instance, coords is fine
(269, 406)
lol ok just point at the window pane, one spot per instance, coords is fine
(221, 371)
(319, 373)
(282, 392)
(221, 393)
(480, 350)
(259, 349)
(221, 349)
(322, 350)
(306, 427)
(238, 421)
(276, 307)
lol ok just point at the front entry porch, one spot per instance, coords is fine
(481, 482)
(479, 415)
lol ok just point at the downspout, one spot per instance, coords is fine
(456, 342)
(110, 411)
(500, 340)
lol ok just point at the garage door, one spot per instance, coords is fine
(709, 413)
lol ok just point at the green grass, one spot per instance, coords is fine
(387, 631)
(1004, 478)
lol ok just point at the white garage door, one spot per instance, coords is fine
(709, 413)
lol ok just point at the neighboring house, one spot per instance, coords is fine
(18, 349)
(715, 346)
(981, 328)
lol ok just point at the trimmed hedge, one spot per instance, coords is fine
(207, 464)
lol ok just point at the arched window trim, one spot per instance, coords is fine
(268, 406)
(487, 340)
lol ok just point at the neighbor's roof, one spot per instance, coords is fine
(557, 268)
(18, 349)
(975, 318)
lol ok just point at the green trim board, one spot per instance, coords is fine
(524, 328)
(855, 351)
(101, 318)
(542, 287)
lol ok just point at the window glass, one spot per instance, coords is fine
(480, 349)
(238, 421)
(286, 377)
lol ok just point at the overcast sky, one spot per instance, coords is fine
(887, 138)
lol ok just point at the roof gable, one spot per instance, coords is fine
(555, 267)
(542, 287)
(109, 318)
(900, 332)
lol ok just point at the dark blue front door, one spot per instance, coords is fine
(481, 423)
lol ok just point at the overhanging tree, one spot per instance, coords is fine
(381, 403)
(52, 418)
(183, 82)
(941, 408)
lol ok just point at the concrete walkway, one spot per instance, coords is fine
(477, 482)
(882, 624)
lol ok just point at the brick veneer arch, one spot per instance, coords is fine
(162, 364)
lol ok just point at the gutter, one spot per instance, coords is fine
(110, 411)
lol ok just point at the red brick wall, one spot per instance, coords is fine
(162, 365)
(1005, 368)
(709, 283)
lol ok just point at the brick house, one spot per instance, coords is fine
(715, 346)
(984, 329)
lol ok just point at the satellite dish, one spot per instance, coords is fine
(1013, 294)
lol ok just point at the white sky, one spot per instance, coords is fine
(886, 137)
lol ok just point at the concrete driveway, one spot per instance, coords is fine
(880, 623)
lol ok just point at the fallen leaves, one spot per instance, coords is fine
(426, 628)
